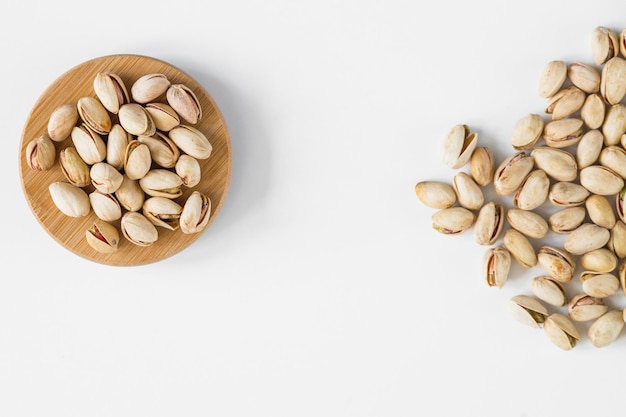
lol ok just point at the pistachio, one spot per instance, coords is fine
(553, 77)
(604, 44)
(164, 116)
(621, 275)
(584, 307)
(110, 90)
(601, 180)
(453, 220)
(593, 111)
(565, 102)
(149, 87)
(88, 144)
(105, 178)
(617, 241)
(468, 192)
(482, 165)
(584, 76)
(188, 169)
(61, 122)
(184, 101)
(70, 200)
(496, 263)
(600, 211)
(564, 132)
(619, 204)
(117, 141)
(160, 182)
(622, 42)
(458, 146)
(433, 194)
(528, 310)
(162, 149)
(136, 120)
(192, 141)
(94, 115)
(599, 260)
(612, 81)
(606, 329)
(589, 148)
(533, 191)
(511, 172)
(196, 213)
(162, 212)
(105, 206)
(520, 248)
(138, 229)
(567, 194)
(489, 223)
(566, 220)
(103, 237)
(599, 284)
(585, 238)
(614, 157)
(137, 160)
(75, 170)
(549, 290)
(561, 331)
(614, 124)
(527, 222)
(40, 153)
(559, 164)
(130, 195)
(527, 131)
(557, 263)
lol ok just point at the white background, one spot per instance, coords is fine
(320, 289)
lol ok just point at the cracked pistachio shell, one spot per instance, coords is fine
(622, 42)
(136, 120)
(103, 237)
(94, 115)
(138, 229)
(604, 44)
(188, 169)
(584, 307)
(88, 144)
(552, 78)
(613, 80)
(589, 148)
(117, 141)
(598, 179)
(585, 238)
(527, 131)
(599, 284)
(599, 260)
(149, 87)
(564, 132)
(614, 124)
(496, 264)
(468, 192)
(433, 194)
(453, 220)
(600, 211)
(61, 122)
(558, 164)
(561, 331)
(163, 150)
(70, 200)
(40, 153)
(482, 165)
(191, 141)
(110, 90)
(489, 223)
(75, 170)
(533, 191)
(606, 329)
(584, 76)
(161, 182)
(566, 220)
(556, 262)
(619, 204)
(567, 194)
(520, 248)
(137, 160)
(617, 241)
(105, 178)
(528, 310)
(549, 290)
(164, 116)
(621, 275)
(196, 213)
(511, 172)
(162, 212)
(527, 222)
(614, 157)
(593, 111)
(458, 146)
(105, 206)
(565, 102)
(130, 195)
(184, 101)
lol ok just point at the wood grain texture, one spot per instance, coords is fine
(70, 232)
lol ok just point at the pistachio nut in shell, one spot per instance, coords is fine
(434, 194)
(549, 290)
(552, 78)
(622, 42)
(70, 200)
(528, 310)
(600, 211)
(599, 284)
(93, 114)
(458, 146)
(496, 263)
(584, 76)
(589, 148)
(189, 170)
(467, 191)
(613, 80)
(105, 206)
(593, 111)
(61, 122)
(587, 237)
(511, 172)
(527, 131)
(110, 90)
(621, 275)
(527, 222)
(620, 206)
(565, 102)
(559, 164)
(162, 212)
(196, 213)
(191, 141)
(137, 229)
(75, 170)
(564, 132)
(566, 220)
(117, 141)
(598, 179)
(453, 220)
(617, 241)
(599, 260)
(136, 120)
(164, 116)
(556, 262)
(583, 307)
(162, 149)
(130, 195)
(482, 165)
(604, 44)
(533, 191)
(489, 223)
(606, 329)
(160, 182)
(149, 87)
(614, 157)
(567, 194)
(561, 331)
(105, 178)
(520, 248)
(89, 144)
(184, 101)
(614, 125)
(40, 153)
(103, 237)
(137, 160)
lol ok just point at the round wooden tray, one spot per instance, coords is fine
(70, 232)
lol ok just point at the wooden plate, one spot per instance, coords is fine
(70, 232)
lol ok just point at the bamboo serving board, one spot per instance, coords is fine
(70, 232)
